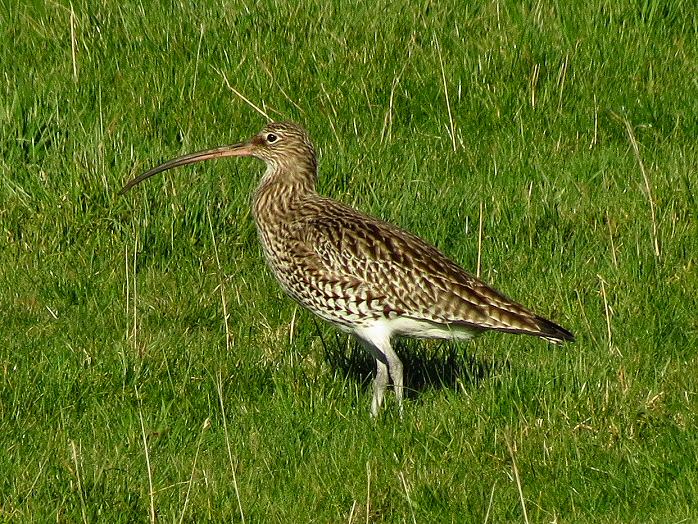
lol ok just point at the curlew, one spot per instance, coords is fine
(367, 277)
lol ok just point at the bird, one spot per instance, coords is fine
(368, 277)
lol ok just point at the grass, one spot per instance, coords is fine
(129, 395)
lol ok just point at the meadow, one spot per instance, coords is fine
(152, 369)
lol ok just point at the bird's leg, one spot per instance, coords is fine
(395, 369)
(387, 363)
(381, 380)
(379, 385)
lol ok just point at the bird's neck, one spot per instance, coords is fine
(281, 191)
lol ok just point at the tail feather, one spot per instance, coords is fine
(552, 332)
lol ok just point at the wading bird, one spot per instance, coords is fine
(367, 277)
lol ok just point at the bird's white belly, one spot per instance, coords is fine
(410, 327)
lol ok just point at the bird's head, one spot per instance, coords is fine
(283, 146)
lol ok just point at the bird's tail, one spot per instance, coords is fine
(551, 332)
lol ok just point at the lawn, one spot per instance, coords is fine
(152, 369)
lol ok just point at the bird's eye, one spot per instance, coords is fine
(271, 138)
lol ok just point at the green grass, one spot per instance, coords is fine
(266, 416)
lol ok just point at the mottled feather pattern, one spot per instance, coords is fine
(345, 266)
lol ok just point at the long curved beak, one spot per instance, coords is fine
(241, 149)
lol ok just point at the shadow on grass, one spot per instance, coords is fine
(427, 364)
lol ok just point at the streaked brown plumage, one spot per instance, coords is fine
(366, 276)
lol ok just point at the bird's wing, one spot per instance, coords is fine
(406, 276)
